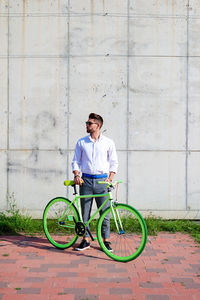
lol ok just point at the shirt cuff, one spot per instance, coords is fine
(75, 167)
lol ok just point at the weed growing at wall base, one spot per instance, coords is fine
(13, 221)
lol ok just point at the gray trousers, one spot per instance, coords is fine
(89, 187)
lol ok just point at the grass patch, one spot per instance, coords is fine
(13, 225)
(13, 222)
(155, 225)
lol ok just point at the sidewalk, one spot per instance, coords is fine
(32, 269)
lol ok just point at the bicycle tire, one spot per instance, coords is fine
(128, 242)
(59, 229)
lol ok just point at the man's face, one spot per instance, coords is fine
(92, 125)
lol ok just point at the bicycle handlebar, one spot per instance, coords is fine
(110, 184)
(71, 182)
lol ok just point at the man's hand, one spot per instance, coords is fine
(78, 180)
(110, 178)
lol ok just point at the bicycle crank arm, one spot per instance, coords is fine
(91, 236)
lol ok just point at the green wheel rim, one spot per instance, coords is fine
(59, 227)
(130, 242)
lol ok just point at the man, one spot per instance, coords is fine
(95, 156)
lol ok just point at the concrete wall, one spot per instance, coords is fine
(136, 62)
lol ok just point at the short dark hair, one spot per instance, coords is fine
(96, 117)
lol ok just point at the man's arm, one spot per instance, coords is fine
(113, 160)
(76, 164)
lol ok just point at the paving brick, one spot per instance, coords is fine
(67, 274)
(31, 291)
(183, 279)
(34, 279)
(156, 270)
(111, 297)
(151, 285)
(31, 255)
(78, 291)
(107, 279)
(181, 297)
(196, 297)
(8, 261)
(88, 297)
(150, 251)
(62, 282)
(157, 297)
(99, 279)
(193, 285)
(93, 297)
(131, 297)
(194, 268)
(181, 245)
(49, 290)
(60, 297)
(120, 291)
(3, 284)
(98, 290)
(173, 260)
(40, 269)
(14, 297)
(36, 297)
(117, 270)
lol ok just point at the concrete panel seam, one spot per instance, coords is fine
(8, 103)
(68, 92)
(186, 113)
(119, 150)
(113, 15)
(127, 125)
(182, 210)
(94, 55)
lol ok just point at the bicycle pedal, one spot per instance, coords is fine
(62, 223)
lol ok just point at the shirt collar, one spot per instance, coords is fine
(100, 138)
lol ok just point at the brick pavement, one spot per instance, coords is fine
(31, 268)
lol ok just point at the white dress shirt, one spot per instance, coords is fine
(95, 157)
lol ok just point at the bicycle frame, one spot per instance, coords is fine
(77, 202)
(109, 197)
(63, 224)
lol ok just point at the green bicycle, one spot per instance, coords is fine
(63, 224)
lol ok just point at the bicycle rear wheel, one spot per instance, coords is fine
(58, 222)
(128, 232)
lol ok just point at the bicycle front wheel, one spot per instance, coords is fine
(58, 222)
(128, 234)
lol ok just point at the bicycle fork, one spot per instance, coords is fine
(117, 219)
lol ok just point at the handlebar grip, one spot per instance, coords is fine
(105, 182)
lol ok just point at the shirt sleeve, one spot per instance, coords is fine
(76, 162)
(113, 160)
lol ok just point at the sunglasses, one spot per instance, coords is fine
(89, 123)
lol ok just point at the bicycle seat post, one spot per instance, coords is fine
(75, 190)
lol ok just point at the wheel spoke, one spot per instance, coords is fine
(128, 245)
(60, 235)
